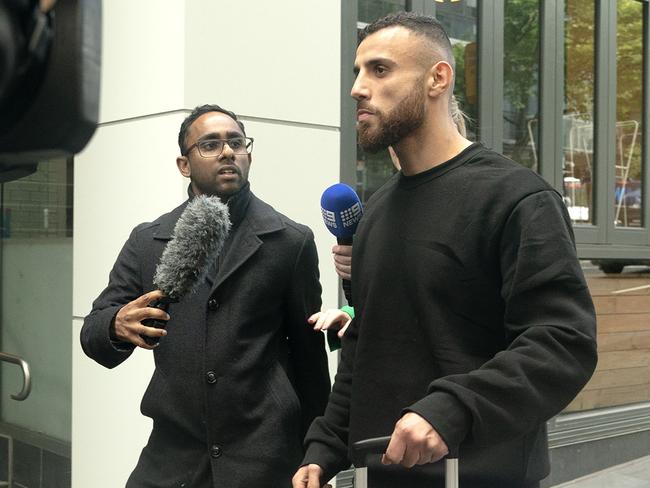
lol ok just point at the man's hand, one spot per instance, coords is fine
(127, 321)
(308, 477)
(343, 261)
(414, 441)
(332, 318)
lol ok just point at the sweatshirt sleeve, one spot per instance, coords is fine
(550, 328)
(124, 285)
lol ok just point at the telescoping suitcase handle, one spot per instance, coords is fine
(378, 445)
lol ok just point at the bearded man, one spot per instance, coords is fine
(474, 324)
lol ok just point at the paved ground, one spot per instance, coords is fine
(635, 474)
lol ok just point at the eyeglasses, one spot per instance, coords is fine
(211, 148)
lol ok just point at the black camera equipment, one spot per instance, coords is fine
(50, 56)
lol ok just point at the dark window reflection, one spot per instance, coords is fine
(39, 205)
(460, 20)
(371, 10)
(629, 103)
(578, 126)
(521, 82)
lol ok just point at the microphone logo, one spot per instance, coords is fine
(351, 216)
(329, 218)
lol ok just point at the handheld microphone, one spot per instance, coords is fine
(197, 240)
(342, 211)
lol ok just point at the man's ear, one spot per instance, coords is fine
(183, 165)
(440, 78)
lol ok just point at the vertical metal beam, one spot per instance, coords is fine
(348, 134)
(416, 6)
(426, 7)
(605, 117)
(429, 8)
(348, 131)
(490, 73)
(645, 138)
(551, 84)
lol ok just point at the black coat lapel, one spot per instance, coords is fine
(260, 219)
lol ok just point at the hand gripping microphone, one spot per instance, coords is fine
(197, 240)
(342, 211)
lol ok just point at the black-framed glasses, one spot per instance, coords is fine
(211, 148)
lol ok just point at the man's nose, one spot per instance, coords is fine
(227, 151)
(359, 89)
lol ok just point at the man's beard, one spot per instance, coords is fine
(406, 117)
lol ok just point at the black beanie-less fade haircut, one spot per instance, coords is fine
(420, 24)
(195, 114)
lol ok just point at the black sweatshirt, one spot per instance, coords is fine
(472, 311)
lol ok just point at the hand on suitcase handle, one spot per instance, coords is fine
(378, 445)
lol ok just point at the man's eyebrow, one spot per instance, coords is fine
(219, 135)
(379, 60)
(374, 62)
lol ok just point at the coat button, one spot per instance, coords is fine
(211, 377)
(213, 304)
(215, 452)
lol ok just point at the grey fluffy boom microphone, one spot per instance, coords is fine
(197, 240)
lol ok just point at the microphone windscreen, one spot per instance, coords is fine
(199, 236)
(341, 209)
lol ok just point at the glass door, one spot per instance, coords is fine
(36, 327)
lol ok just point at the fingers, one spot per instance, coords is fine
(308, 477)
(139, 341)
(342, 251)
(332, 318)
(414, 441)
(344, 272)
(148, 298)
(128, 320)
(395, 451)
(314, 472)
(343, 261)
(314, 318)
(344, 329)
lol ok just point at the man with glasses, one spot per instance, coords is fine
(239, 373)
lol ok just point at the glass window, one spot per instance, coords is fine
(371, 10)
(460, 21)
(579, 92)
(39, 205)
(629, 102)
(521, 81)
(35, 314)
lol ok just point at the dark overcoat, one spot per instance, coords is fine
(240, 375)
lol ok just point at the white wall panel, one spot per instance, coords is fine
(126, 175)
(142, 58)
(108, 431)
(277, 60)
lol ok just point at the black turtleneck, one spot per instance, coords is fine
(237, 202)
